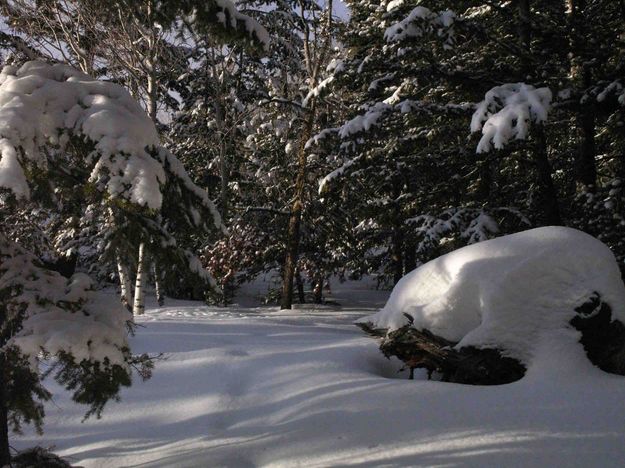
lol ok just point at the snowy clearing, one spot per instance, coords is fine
(249, 386)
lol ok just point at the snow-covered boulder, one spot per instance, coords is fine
(509, 293)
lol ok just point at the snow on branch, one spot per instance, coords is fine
(470, 224)
(44, 106)
(363, 122)
(226, 15)
(616, 88)
(422, 22)
(335, 67)
(506, 113)
(60, 315)
(373, 116)
(336, 174)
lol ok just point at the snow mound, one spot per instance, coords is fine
(509, 293)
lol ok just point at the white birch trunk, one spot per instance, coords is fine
(139, 304)
(125, 284)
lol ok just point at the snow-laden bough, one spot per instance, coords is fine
(43, 106)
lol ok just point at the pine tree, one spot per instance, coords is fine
(87, 136)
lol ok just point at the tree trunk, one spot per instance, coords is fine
(292, 248)
(410, 255)
(547, 195)
(223, 162)
(5, 454)
(139, 304)
(581, 76)
(300, 288)
(397, 247)
(525, 25)
(152, 84)
(125, 284)
(585, 166)
(397, 234)
(160, 297)
(290, 262)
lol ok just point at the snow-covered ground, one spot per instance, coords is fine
(253, 386)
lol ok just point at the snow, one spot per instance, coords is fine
(43, 105)
(513, 293)
(231, 18)
(363, 122)
(421, 21)
(323, 183)
(248, 386)
(506, 112)
(615, 88)
(59, 314)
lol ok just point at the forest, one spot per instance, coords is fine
(447, 174)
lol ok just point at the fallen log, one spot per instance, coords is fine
(602, 337)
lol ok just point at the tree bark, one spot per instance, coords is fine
(581, 76)
(547, 194)
(421, 349)
(300, 287)
(139, 304)
(290, 262)
(5, 454)
(410, 254)
(152, 84)
(223, 162)
(293, 239)
(397, 234)
(160, 297)
(525, 26)
(125, 284)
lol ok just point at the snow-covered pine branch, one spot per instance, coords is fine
(421, 22)
(56, 119)
(223, 16)
(59, 314)
(507, 112)
(472, 225)
(44, 106)
(79, 333)
(335, 67)
(614, 88)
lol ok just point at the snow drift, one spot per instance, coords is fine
(511, 293)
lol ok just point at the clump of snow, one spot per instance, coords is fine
(231, 18)
(323, 183)
(317, 90)
(363, 122)
(394, 4)
(509, 293)
(60, 314)
(506, 112)
(420, 22)
(616, 88)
